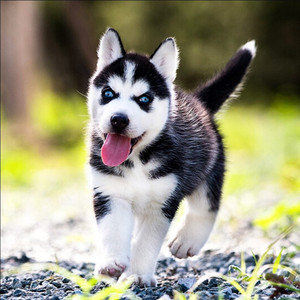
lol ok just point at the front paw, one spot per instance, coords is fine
(181, 248)
(140, 280)
(112, 268)
(186, 243)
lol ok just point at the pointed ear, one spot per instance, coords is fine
(165, 58)
(110, 48)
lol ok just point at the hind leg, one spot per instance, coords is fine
(195, 226)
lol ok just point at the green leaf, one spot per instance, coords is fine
(277, 262)
(235, 268)
(286, 286)
(254, 257)
(256, 272)
(243, 263)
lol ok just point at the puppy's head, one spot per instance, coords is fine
(129, 96)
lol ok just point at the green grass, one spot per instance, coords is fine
(248, 284)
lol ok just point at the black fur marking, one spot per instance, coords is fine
(128, 164)
(215, 179)
(96, 160)
(145, 70)
(169, 161)
(171, 206)
(116, 68)
(214, 93)
(163, 170)
(101, 205)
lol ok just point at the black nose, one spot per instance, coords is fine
(119, 121)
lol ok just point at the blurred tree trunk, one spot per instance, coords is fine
(69, 44)
(78, 18)
(19, 60)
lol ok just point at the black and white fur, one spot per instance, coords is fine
(177, 152)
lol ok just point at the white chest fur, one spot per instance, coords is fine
(135, 186)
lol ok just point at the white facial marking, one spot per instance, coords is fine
(129, 70)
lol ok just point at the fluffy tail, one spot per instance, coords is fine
(215, 92)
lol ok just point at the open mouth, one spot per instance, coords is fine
(117, 148)
(135, 141)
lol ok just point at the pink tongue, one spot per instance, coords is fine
(115, 149)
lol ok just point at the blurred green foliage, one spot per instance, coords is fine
(59, 128)
(264, 162)
(59, 121)
(263, 145)
(281, 216)
(207, 32)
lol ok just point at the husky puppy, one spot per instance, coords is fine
(151, 145)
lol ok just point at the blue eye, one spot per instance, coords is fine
(108, 93)
(144, 99)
